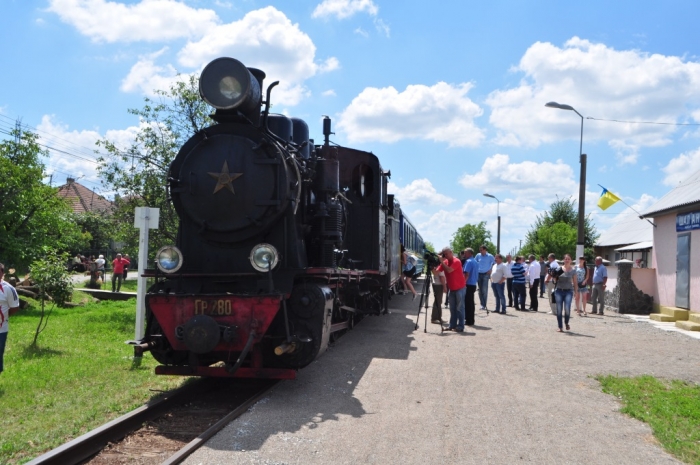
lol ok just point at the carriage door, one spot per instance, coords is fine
(683, 271)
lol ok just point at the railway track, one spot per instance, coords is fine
(166, 430)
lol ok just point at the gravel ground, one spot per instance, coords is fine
(508, 390)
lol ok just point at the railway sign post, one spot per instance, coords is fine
(145, 218)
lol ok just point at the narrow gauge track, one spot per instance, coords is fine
(155, 433)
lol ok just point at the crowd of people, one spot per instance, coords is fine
(96, 267)
(459, 277)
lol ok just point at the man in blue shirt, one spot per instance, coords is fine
(600, 279)
(471, 275)
(485, 261)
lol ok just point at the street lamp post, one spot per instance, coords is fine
(498, 212)
(580, 241)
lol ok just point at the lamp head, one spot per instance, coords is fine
(559, 106)
(489, 195)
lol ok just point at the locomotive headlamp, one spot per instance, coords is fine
(263, 257)
(169, 259)
(226, 84)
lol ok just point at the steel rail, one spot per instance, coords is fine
(200, 440)
(92, 442)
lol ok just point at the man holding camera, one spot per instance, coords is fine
(457, 286)
(439, 288)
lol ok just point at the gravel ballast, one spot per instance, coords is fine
(508, 390)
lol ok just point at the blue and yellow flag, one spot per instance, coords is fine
(607, 199)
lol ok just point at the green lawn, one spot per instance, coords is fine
(127, 286)
(80, 376)
(672, 409)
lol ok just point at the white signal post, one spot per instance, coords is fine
(145, 218)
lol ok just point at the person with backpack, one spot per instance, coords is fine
(408, 269)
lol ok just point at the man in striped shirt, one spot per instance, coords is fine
(518, 283)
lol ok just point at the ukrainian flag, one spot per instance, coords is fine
(607, 199)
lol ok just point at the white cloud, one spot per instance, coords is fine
(74, 152)
(328, 93)
(681, 167)
(600, 82)
(441, 113)
(147, 20)
(361, 32)
(344, 8)
(522, 180)
(146, 76)
(264, 39)
(439, 226)
(382, 27)
(419, 191)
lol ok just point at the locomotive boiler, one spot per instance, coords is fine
(282, 244)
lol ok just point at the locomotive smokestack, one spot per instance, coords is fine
(326, 129)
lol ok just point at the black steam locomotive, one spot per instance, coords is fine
(282, 244)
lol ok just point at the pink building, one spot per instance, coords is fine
(676, 251)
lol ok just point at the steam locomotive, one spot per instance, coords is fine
(282, 244)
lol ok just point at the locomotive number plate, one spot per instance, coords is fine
(212, 307)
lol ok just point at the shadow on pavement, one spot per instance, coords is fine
(324, 391)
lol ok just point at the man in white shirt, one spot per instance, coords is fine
(509, 279)
(9, 302)
(533, 277)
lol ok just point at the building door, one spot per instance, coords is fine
(683, 271)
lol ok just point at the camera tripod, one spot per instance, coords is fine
(424, 297)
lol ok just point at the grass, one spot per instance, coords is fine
(129, 285)
(80, 376)
(671, 408)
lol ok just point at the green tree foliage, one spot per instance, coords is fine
(549, 235)
(138, 174)
(474, 236)
(96, 228)
(557, 239)
(49, 273)
(429, 246)
(32, 217)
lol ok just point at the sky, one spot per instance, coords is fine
(449, 95)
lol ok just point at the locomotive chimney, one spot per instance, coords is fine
(326, 129)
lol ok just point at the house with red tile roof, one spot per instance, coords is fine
(81, 199)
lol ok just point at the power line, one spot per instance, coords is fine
(642, 122)
(70, 144)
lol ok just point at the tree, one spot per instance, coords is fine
(547, 235)
(138, 174)
(49, 273)
(472, 235)
(96, 228)
(32, 217)
(429, 246)
(556, 239)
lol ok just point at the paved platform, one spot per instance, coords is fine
(508, 390)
